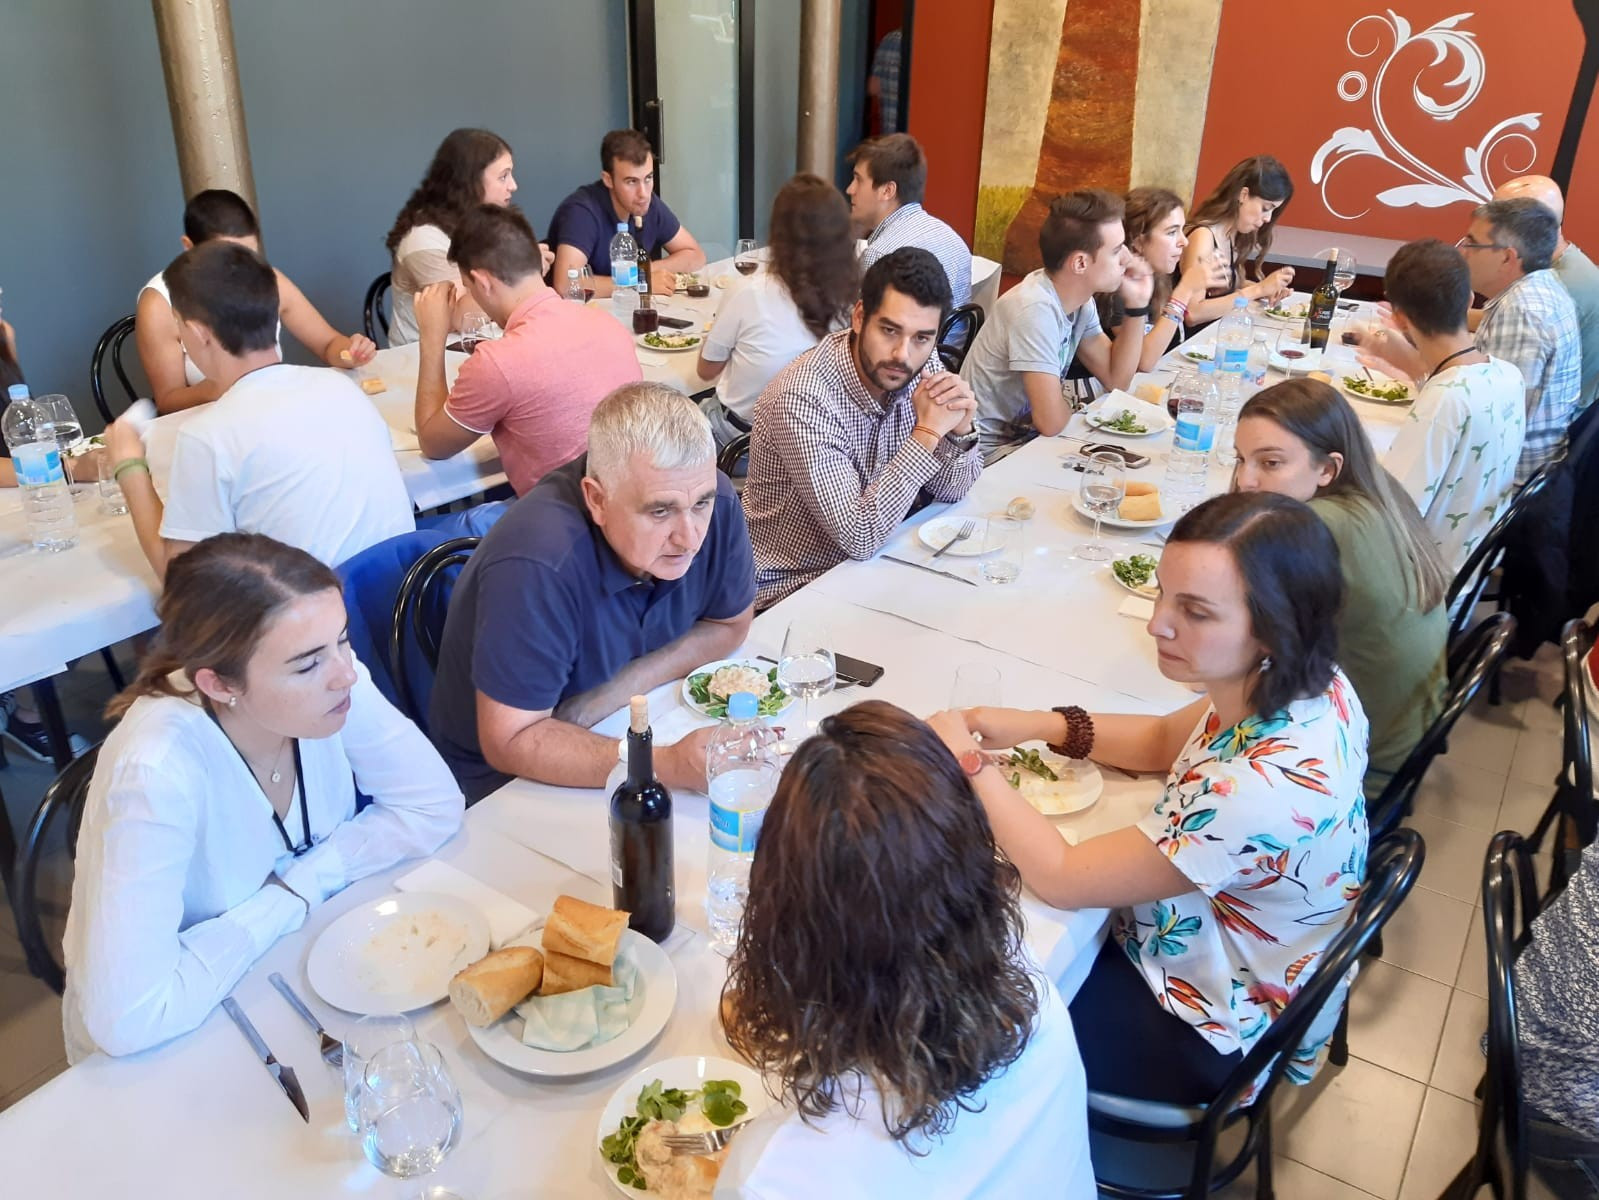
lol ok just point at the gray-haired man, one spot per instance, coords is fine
(616, 573)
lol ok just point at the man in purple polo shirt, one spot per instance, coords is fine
(583, 226)
(618, 572)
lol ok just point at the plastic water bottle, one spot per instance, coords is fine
(30, 433)
(574, 286)
(624, 270)
(1231, 389)
(1187, 463)
(741, 765)
(1235, 333)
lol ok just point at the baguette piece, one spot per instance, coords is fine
(581, 930)
(1142, 503)
(563, 973)
(488, 989)
(373, 386)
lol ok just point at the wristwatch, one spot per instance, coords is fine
(972, 761)
(963, 441)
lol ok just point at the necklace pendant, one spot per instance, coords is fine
(277, 776)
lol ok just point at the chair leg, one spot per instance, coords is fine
(1338, 1052)
(1263, 1180)
(55, 722)
(1463, 1185)
(111, 669)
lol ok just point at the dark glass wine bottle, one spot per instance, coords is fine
(1323, 305)
(646, 285)
(642, 881)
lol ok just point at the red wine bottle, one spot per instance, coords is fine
(646, 285)
(642, 881)
(1323, 304)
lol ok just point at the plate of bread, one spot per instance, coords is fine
(1141, 508)
(396, 954)
(582, 960)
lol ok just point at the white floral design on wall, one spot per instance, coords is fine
(1441, 99)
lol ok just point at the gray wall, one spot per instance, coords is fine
(345, 103)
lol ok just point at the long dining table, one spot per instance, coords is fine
(198, 1117)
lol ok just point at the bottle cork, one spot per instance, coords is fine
(639, 714)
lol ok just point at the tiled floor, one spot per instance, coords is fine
(1396, 1123)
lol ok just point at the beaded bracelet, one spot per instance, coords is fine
(1176, 310)
(1079, 739)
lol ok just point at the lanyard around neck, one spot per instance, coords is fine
(299, 787)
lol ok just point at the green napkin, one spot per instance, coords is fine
(589, 1016)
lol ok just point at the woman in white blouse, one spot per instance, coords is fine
(768, 321)
(1241, 875)
(222, 808)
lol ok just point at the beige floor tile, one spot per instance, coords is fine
(1357, 1106)
(1460, 1062)
(1523, 804)
(1396, 1019)
(1293, 1181)
(1485, 736)
(1427, 934)
(1454, 856)
(30, 1030)
(1445, 1138)
(1457, 791)
(1537, 758)
(1540, 715)
(1473, 974)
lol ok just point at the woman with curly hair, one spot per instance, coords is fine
(771, 320)
(470, 167)
(881, 986)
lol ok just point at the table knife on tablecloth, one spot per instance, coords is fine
(284, 1075)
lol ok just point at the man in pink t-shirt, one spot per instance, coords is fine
(532, 390)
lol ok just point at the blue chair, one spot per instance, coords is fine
(418, 626)
(372, 582)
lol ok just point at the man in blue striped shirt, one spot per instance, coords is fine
(885, 201)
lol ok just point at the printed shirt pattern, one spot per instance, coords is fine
(1533, 324)
(1268, 821)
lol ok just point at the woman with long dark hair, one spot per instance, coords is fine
(881, 986)
(1300, 438)
(773, 318)
(1240, 877)
(470, 167)
(222, 808)
(1234, 226)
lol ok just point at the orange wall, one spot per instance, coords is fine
(1276, 90)
(949, 90)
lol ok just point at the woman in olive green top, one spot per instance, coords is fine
(1300, 438)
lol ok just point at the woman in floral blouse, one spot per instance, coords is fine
(1241, 876)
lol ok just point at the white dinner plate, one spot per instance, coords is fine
(1297, 366)
(657, 981)
(699, 340)
(688, 1073)
(1113, 520)
(1198, 354)
(1295, 315)
(396, 954)
(1380, 380)
(938, 533)
(712, 667)
(1150, 590)
(1154, 422)
(1076, 795)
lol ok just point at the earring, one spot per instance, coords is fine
(1265, 664)
(233, 702)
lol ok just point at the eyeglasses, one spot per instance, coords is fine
(1466, 243)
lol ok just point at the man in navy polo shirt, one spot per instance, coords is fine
(618, 572)
(583, 226)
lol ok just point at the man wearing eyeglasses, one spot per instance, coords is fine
(1528, 319)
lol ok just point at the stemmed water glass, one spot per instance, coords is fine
(806, 667)
(744, 257)
(976, 686)
(474, 329)
(1101, 490)
(410, 1110)
(68, 425)
(1344, 272)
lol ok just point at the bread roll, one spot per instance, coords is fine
(492, 986)
(563, 973)
(1140, 505)
(1138, 488)
(373, 386)
(584, 930)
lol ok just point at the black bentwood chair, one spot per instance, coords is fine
(375, 309)
(110, 347)
(1500, 1160)
(1471, 580)
(1573, 813)
(63, 800)
(419, 611)
(1391, 872)
(957, 333)
(732, 456)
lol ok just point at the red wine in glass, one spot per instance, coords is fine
(745, 266)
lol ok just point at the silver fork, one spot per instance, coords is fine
(966, 530)
(708, 1142)
(332, 1049)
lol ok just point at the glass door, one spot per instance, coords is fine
(693, 96)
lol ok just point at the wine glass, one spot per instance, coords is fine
(744, 257)
(68, 426)
(474, 329)
(410, 1110)
(1102, 487)
(365, 1039)
(585, 279)
(1344, 272)
(806, 668)
(1294, 353)
(976, 686)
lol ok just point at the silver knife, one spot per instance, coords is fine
(284, 1075)
(924, 567)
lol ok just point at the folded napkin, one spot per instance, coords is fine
(1107, 406)
(590, 1016)
(403, 439)
(1137, 607)
(505, 916)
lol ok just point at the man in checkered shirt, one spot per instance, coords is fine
(849, 434)
(885, 202)
(1529, 319)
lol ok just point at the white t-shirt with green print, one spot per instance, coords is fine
(1456, 453)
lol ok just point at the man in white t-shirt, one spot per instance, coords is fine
(1457, 451)
(1037, 328)
(296, 453)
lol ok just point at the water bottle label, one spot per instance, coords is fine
(736, 831)
(1232, 358)
(37, 465)
(1187, 434)
(624, 273)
